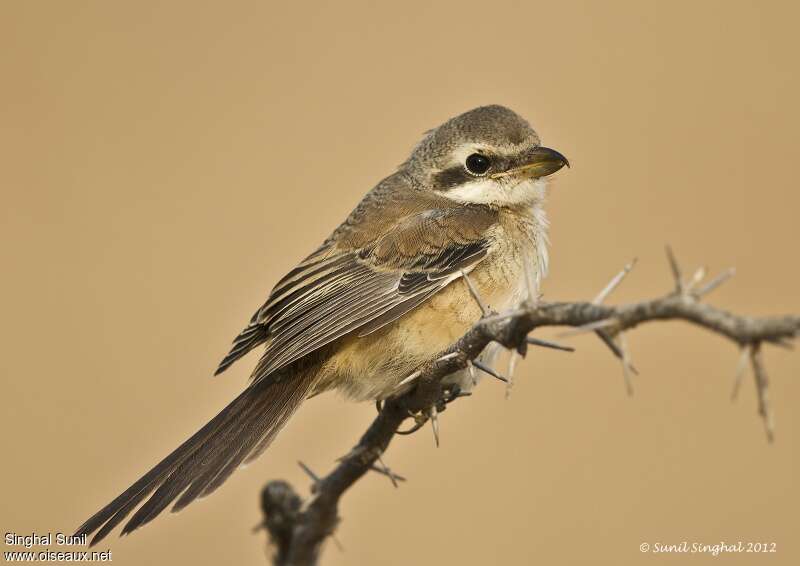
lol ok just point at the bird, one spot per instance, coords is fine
(382, 296)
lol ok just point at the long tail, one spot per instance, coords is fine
(239, 433)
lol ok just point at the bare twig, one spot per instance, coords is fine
(312, 524)
(280, 506)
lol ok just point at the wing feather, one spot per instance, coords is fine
(339, 290)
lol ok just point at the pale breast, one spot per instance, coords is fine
(370, 367)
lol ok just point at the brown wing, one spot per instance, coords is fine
(342, 289)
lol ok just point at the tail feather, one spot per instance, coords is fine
(208, 472)
(115, 511)
(239, 448)
(238, 458)
(115, 520)
(204, 461)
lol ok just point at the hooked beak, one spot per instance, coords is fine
(543, 162)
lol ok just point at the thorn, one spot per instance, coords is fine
(609, 341)
(337, 542)
(614, 283)
(605, 323)
(741, 366)
(676, 271)
(384, 469)
(410, 378)
(434, 416)
(714, 283)
(626, 364)
(475, 295)
(310, 473)
(486, 369)
(383, 472)
(762, 384)
(781, 343)
(498, 317)
(472, 374)
(530, 281)
(696, 278)
(546, 344)
(513, 358)
(449, 356)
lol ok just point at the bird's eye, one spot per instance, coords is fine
(477, 164)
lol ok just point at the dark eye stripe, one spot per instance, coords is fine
(451, 178)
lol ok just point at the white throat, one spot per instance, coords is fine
(499, 192)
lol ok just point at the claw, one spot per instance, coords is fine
(419, 421)
(412, 430)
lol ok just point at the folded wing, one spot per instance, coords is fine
(342, 289)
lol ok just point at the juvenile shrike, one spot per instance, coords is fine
(382, 296)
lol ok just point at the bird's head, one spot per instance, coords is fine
(489, 155)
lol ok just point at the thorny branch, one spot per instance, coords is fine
(297, 530)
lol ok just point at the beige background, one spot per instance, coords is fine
(162, 164)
